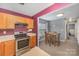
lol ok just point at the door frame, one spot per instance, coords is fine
(38, 32)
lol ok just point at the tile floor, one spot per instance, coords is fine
(67, 48)
(36, 51)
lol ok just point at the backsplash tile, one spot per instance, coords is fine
(8, 32)
(20, 29)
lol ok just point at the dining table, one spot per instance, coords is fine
(52, 38)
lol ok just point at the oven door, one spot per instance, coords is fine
(22, 44)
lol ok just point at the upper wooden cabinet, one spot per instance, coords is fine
(30, 23)
(7, 21)
(10, 22)
(2, 21)
(25, 20)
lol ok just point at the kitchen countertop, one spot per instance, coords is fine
(11, 37)
(6, 38)
(31, 34)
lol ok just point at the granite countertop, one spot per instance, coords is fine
(31, 34)
(6, 38)
(11, 37)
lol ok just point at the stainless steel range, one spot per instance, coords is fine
(22, 42)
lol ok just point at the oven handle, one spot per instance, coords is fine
(22, 39)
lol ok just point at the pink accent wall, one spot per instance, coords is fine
(11, 31)
(18, 29)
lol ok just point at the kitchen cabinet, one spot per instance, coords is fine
(19, 19)
(10, 22)
(9, 48)
(1, 48)
(6, 21)
(2, 21)
(32, 42)
(25, 20)
(30, 23)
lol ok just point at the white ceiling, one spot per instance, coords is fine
(69, 11)
(29, 9)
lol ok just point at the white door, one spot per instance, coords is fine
(77, 24)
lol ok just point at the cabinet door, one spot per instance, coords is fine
(32, 42)
(20, 19)
(10, 22)
(2, 21)
(1, 48)
(25, 20)
(29, 22)
(10, 48)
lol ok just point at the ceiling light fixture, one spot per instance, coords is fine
(60, 15)
(70, 19)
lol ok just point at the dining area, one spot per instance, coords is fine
(52, 39)
(53, 45)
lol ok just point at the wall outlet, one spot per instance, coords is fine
(4, 32)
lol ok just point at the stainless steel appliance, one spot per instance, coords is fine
(22, 42)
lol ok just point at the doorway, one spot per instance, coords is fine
(42, 28)
(71, 28)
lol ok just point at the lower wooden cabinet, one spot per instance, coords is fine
(7, 48)
(32, 42)
(1, 48)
